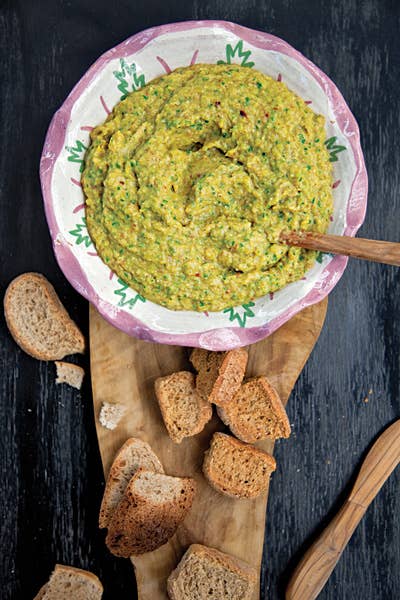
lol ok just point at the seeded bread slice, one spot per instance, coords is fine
(219, 374)
(256, 412)
(68, 583)
(149, 513)
(133, 455)
(184, 411)
(38, 321)
(69, 373)
(207, 574)
(237, 469)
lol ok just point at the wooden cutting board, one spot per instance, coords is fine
(123, 370)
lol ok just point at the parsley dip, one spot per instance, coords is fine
(192, 178)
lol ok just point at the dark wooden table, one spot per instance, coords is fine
(51, 476)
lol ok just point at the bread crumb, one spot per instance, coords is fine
(69, 373)
(111, 414)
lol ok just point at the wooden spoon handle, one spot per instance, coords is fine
(375, 250)
(320, 559)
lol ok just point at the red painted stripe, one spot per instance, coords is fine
(194, 58)
(164, 64)
(104, 105)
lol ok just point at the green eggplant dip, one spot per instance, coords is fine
(192, 178)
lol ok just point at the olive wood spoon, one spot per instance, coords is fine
(319, 561)
(375, 250)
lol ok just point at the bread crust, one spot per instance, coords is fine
(121, 457)
(227, 561)
(66, 569)
(74, 370)
(219, 374)
(207, 365)
(139, 525)
(230, 377)
(62, 315)
(204, 408)
(250, 433)
(88, 574)
(229, 487)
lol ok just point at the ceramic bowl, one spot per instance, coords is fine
(127, 67)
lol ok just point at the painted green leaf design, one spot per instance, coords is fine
(81, 234)
(76, 154)
(241, 314)
(334, 148)
(237, 53)
(124, 292)
(320, 256)
(129, 80)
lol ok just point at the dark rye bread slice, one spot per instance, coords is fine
(219, 374)
(69, 583)
(256, 412)
(184, 411)
(133, 455)
(38, 321)
(149, 513)
(237, 469)
(208, 574)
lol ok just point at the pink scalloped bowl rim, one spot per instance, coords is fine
(222, 338)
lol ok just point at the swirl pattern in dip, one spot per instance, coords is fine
(191, 179)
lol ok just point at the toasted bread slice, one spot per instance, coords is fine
(184, 411)
(256, 412)
(133, 455)
(207, 574)
(38, 321)
(149, 513)
(207, 365)
(67, 583)
(237, 469)
(219, 374)
(69, 373)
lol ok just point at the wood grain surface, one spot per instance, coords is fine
(384, 252)
(127, 368)
(317, 564)
(51, 473)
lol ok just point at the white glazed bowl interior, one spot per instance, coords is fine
(123, 69)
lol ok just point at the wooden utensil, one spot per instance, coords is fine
(319, 561)
(374, 250)
(123, 370)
